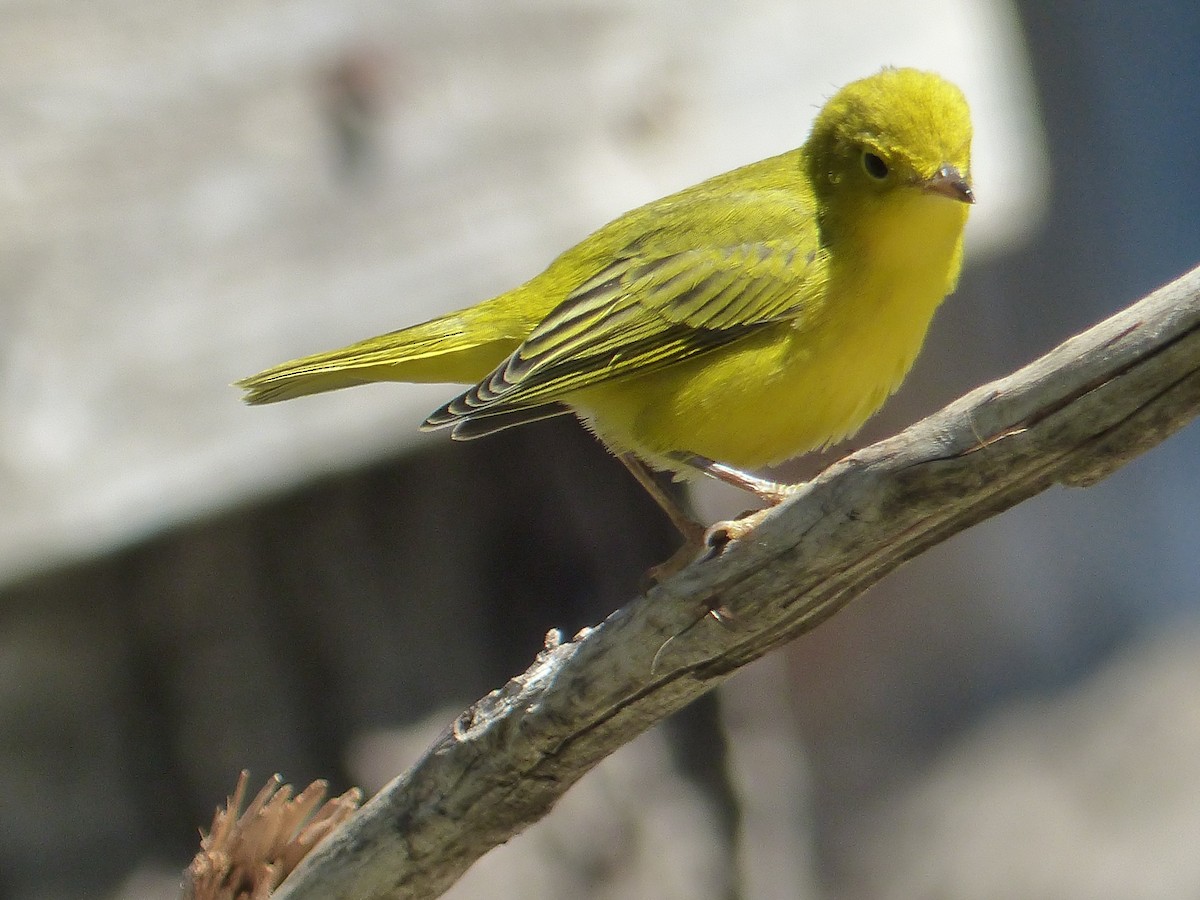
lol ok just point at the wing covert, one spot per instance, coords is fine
(657, 303)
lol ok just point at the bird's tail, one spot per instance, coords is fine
(461, 347)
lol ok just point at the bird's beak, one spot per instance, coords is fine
(951, 183)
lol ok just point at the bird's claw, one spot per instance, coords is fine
(721, 534)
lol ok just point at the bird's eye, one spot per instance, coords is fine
(874, 165)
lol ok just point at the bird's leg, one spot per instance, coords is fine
(770, 492)
(697, 539)
(694, 533)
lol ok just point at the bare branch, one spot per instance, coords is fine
(1072, 417)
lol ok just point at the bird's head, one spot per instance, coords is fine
(900, 132)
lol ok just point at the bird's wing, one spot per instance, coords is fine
(665, 298)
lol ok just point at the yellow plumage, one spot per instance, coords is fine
(762, 313)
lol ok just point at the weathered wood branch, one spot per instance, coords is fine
(1072, 417)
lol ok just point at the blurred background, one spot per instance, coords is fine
(189, 193)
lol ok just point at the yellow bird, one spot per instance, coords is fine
(752, 317)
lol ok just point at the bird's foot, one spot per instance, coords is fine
(721, 534)
(700, 543)
(693, 549)
(703, 544)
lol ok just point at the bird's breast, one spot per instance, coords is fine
(793, 386)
